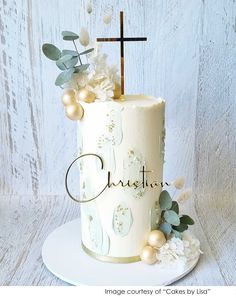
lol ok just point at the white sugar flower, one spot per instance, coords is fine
(179, 182)
(84, 37)
(100, 78)
(78, 80)
(103, 91)
(184, 196)
(176, 249)
(112, 73)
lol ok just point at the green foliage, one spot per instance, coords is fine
(51, 51)
(81, 68)
(166, 228)
(64, 77)
(66, 60)
(87, 51)
(171, 222)
(69, 52)
(180, 228)
(68, 35)
(171, 217)
(176, 234)
(175, 207)
(185, 219)
(165, 200)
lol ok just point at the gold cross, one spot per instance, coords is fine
(121, 39)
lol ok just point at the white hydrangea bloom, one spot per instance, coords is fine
(103, 91)
(181, 250)
(100, 78)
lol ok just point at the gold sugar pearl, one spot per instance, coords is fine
(148, 255)
(68, 97)
(85, 95)
(74, 111)
(156, 239)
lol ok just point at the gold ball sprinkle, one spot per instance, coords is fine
(68, 97)
(85, 95)
(156, 239)
(117, 91)
(148, 255)
(74, 111)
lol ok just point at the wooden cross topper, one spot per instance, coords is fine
(121, 39)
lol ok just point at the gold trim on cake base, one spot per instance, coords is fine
(118, 260)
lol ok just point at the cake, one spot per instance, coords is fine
(129, 137)
(127, 214)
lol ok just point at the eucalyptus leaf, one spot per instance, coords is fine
(69, 52)
(65, 58)
(165, 200)
(51, 51)
(61, 63)
(180, 228)
(87, 51)
(185, 219)
(175, 207)
(165, 227)
(172, 217)
(67, 61)
(72, 62)
(68, 35)
(82, 67)
(64, 77)
(177, 234)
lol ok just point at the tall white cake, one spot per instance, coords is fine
(129, 137)
(126, 213)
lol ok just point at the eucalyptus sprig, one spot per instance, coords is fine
(66, 60)
(171, 222)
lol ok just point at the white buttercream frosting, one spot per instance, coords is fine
(127, 135)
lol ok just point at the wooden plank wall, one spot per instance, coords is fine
(37, 141)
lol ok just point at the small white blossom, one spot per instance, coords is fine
(184, 196)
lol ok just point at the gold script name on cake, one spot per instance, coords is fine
(109, 183)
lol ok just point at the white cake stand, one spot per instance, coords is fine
(63, 256)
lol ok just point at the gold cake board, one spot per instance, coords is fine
(64, 257)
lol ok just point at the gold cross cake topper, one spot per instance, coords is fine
(121, 39)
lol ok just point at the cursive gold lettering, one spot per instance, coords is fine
(109, 183)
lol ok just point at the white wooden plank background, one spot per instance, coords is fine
(189, 59)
